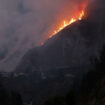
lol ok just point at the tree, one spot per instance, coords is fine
(16, 99)
(3, 93)
(70, 98)
(58, 100)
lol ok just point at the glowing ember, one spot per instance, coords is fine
(66, 23)
(81, 15)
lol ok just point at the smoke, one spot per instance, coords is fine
(25, 23)
(95, 10)
(96, 16)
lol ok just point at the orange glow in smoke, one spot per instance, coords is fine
(66, 23)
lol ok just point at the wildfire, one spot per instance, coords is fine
(66, 23)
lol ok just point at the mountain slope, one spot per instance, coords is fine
(68, 48)
(92, 91)
(50, 69)
(73, 46)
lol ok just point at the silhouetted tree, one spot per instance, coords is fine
(70, 98)
(3, 93)
(58, 100)
(16, 99)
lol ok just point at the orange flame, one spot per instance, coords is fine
(66, 23)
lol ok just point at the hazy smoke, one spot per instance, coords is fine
(96, 15)
(24, 23)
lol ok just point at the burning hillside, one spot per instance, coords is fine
(70, 12)
(66, 23)
(68, 53)
(69, 18)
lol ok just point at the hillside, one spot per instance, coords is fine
(51, 69)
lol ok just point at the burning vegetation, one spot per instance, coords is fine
(78, 16)
(65, 17)
(66, 23)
